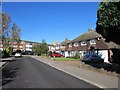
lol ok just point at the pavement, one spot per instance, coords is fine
(5, 60)
(95, 78)
(2, 64)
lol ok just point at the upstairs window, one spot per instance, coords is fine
(20, 46)
(76, 44)
(0, 41)
(70, 45)
(14, 42)
(57, 47)
(27, 43)
(30, 44)
(15, 46)
(62, 47)
(83, 43)
(93, 41)
(21, 42)
(1, 45)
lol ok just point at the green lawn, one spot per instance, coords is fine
(64, 59)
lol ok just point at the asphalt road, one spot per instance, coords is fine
(27, 72)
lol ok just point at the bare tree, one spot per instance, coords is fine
(15, 35)
(4, 32)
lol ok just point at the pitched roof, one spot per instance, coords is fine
(66, 41)
(113, 45)
(55, 43)
(86, 36)
(29, 41)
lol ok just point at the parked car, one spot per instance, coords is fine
(54, 54)
(18, 54)
(29, 53)
(92, 58)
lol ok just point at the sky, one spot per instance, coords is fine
(52, 21)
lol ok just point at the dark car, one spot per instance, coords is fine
(54, 54)
(92, 58)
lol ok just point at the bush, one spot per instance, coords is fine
(77, 56)
(5, 54)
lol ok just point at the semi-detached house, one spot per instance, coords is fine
(85, 42)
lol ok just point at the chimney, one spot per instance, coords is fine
(66, 39)
(90, 29)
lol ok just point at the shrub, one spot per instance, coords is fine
(77, 56)
(5, 54)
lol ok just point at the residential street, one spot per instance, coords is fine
(27, 72)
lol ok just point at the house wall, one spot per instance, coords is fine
(104, 55)
(82, 53)
(1, 49)
(51, 48)
(66, 54)
(28, 47)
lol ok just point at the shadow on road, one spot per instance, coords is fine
(9, 72)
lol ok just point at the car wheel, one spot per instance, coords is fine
(92, 61)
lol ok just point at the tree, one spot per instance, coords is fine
(15, 34)
(4, 32)
(108, 21)
(41, 48)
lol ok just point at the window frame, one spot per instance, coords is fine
(70, 44)
(93, 42)
(84, 44)
(76, 44)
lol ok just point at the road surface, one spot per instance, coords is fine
(26, 72)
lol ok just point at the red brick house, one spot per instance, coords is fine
(84, 42)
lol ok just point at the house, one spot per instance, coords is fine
(63, 47)
(28, 45)
(56, 47)
(23, 45)
(85, 42)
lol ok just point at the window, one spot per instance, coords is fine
(27, 43)
(14, 45)
(1, 45)
(83, 43)
(27, 47)
(21, 46)
(62, 47)
(21, 42)
(93, 41)
(70, 45)
(15, 42)
(30, 47)
(76, 44)
(0, 41)
(57, 47)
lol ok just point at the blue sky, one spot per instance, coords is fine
(52, 21)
